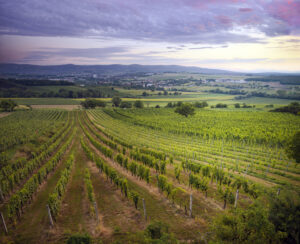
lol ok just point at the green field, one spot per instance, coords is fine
(166, 76)
(162, 100)
(46, 101)
(117, 157)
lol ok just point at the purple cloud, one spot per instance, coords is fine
(208, 47)
(245, 9)
(176, 21)
(95, 56)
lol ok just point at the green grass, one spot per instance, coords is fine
(71, 218)
(266, 101)
(119, 220)
(56, 89)
(167, 76)
(46, 101)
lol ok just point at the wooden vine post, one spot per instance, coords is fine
(50, 216)
(1, 195)
(144, 206)
(4, 224)
(236, 197)
(96, 211)
(191, 205)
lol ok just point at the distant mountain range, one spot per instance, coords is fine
(71, 69)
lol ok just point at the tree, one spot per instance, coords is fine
(116, 101)
(178, 104)
(79, 238)
(125, 104)
(101, 103)
(156, 229)
(201, 104)
(170, 105)
(284, 213)
(185, 109)
(237, 105)
(8, 105)
(293, 108)
(250, 225)
(281, 93)
(92, 103)
(88, 103)
(293, 149)
(221, 105)
(138, 104)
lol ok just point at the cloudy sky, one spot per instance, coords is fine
(241, 35)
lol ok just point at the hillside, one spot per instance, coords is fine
(71, 69)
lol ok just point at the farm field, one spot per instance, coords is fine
(150, 122)
(94, 171)
(46, 101)
(153, 100)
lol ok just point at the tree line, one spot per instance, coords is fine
(116, 102)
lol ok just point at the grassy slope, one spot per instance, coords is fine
(159, 208)
(74, 217)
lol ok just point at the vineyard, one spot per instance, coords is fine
(113, 174)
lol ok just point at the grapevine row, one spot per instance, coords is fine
(8, 183)
(55, 198)
(24, 195)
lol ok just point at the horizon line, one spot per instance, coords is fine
(192, 66)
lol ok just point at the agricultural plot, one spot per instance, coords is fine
(46, 101)
(109, 173)
(237, 141)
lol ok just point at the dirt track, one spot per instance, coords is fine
(4, 114)
(67, 107)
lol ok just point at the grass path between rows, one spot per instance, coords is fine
(158, 207)
(34, 224)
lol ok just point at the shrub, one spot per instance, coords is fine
(138, 104)
(156, 229)
(125, 104)
(79, 239)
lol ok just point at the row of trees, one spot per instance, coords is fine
(293, 108)
(116, 101)
(244, 105)
(8, 105)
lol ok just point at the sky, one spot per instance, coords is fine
(238, 35)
